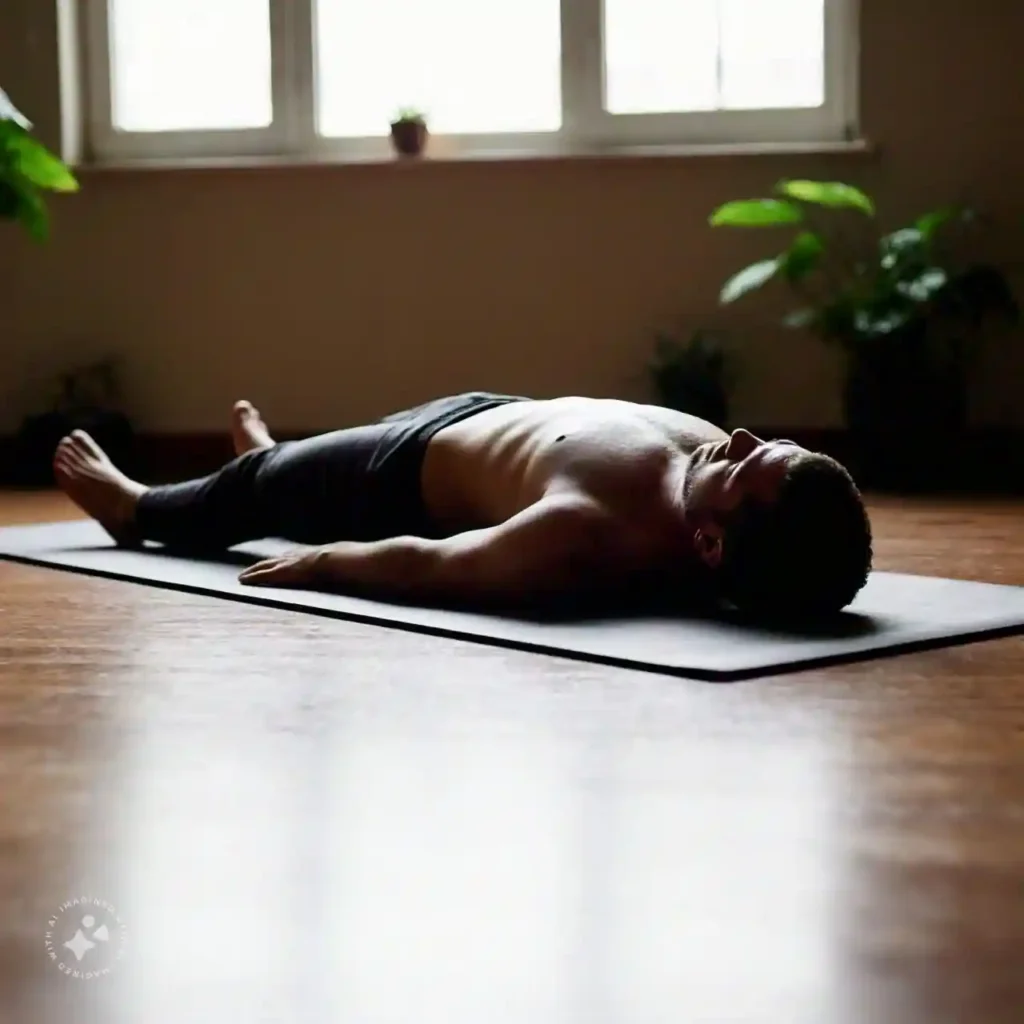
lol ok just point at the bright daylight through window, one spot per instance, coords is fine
(324, 78)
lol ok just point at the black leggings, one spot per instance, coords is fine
(362, 483)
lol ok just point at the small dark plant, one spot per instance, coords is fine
(908, 312)
(86, 398)
(692, 376)
(27, 169)
(409, 132)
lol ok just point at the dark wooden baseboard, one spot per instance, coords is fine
(989, 461)
(159, 457)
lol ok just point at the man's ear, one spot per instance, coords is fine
(707, 543)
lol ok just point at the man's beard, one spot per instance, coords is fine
(689, 474)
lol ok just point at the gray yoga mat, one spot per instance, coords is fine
(893, 613)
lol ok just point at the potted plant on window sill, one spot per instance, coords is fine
(908, 315)
(409, 132)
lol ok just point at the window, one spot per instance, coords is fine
(323, 78)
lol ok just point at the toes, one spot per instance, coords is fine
(64, 456)
(64, 465)
(85, 444)
(75, 454)
(243, 409)
(70, 448)
(75, 441)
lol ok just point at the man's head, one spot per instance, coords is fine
(783, 530)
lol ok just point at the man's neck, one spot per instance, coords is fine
(674, 500)
(674, 484)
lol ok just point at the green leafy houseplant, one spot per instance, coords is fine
(27, 169)
(907, 313)
(692, 376)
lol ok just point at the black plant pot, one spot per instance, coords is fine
(409, 138)
(906, 413)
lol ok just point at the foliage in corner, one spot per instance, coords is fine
(27, 169)
(857, 283)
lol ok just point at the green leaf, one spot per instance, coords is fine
(828, 193)
(801, 319)
(38, 164)
(902, 240)
(904, 249)
(756, 213)
(910, 249)
(803, 256)
(930, 223)
(10, 200)
(873, 325)
(8, 131)
(749, 279)
(33, 216)
(926, 285)
(9, 112)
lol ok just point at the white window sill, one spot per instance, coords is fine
(859, 147)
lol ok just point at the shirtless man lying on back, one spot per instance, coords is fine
(484, 500)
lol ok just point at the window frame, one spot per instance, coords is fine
(586, 126)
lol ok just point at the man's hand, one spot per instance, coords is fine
(552, 550)
(299, 569)
(388, 565)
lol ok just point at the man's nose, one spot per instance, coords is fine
(741, 444)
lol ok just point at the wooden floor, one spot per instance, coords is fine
(295, 819)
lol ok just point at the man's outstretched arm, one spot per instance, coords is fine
(552, 550)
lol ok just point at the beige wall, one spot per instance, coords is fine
(332, 294)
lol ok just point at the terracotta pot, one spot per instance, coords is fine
(409, 137)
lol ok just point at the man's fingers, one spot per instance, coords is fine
(295, 569)
(273, 572)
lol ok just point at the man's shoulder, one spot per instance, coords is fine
(604, 555)
(573, 513)
(601, 531)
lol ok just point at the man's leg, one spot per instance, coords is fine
(308, 491)
(93, 482)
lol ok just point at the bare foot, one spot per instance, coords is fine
(248, 431)
(97, 486)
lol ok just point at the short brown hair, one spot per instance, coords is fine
(807, 553)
